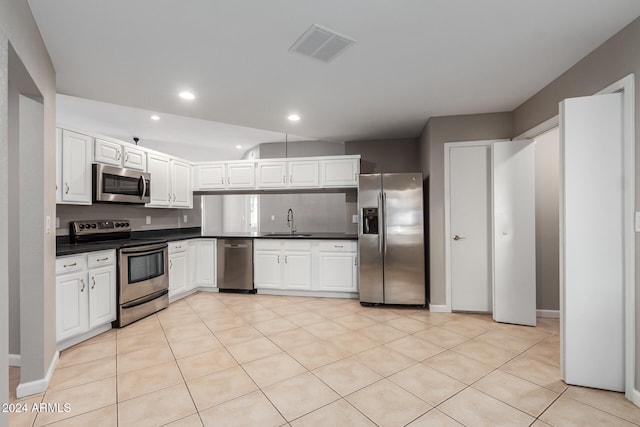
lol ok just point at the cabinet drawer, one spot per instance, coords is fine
(339, 246)
(70, 263)
(297, 245)
(179, 246)
(267, 244)
(98, 259)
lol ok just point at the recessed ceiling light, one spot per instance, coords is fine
(155, 117)
(293, 117)
(238, 146)
(187, 95)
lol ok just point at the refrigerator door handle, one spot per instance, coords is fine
(384, 221)
(381, 218)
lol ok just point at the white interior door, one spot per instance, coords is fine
(470, 227)
(514, 237)
(592, 242)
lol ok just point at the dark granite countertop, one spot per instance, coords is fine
(64, 247)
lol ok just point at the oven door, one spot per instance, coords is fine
(118, 185)
(143, 271)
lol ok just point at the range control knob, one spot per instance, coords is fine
(81, 226)
(126, 224)
(93, 226)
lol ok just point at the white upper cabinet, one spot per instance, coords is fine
(303, 173)
(108, 152)
(210, 176)
(134, 158)
(58, 165)
(181, 184)
(240, 175)
(339, 172)
(272, 174)
(77, 152)
(170, 182)
(160, 169)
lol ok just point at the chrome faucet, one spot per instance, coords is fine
(290, 224)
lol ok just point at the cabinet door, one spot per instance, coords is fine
(339, 172)
(210, 176)
(76, 167)
(160, 169)
(108, 153)
(240, 175)
(272, 174)
(134, 158)
(267, 269)
(206, 262)
(303, 173)
(102, 295)
(178, 278)
(192, 258)
(58, 165)
(72, 305)
(337, 272)
(181, 180)
(297, 267)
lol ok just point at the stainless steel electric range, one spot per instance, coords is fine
(143, 278)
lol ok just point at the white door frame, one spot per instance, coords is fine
(626, 87)
(447, 208)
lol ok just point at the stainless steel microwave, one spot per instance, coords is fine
(118, 185)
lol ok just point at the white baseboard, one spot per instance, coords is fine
(635, 397)
(435, 308)
(552, 314)
(319, 294)
(69, 342)
(38, 386)
(14, 360)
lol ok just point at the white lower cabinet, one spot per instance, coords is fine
(306, 265)
(206, 263)
(178, 268)
(282, 264)
(338, 266)
(85, 292)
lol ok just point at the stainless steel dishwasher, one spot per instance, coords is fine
(235, 265)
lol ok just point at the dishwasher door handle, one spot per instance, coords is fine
(235, 246)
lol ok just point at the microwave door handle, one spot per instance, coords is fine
(144, 187)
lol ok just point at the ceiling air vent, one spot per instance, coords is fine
(320, 43)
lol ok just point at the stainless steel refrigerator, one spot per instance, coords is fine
(391, 239)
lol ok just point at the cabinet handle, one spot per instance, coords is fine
(228, 180)
(285, 259)
(222, 180)
(179, 247)
(70, 265)
(66, 186)
(290, 179)
(118, 155)
(169, 197)
(284, 179)
(174, 197)
(126, 157)
(278, 259)
(170, 264)
(82, 281)
(338, 246)
(355, 260)
(355, 176)
(93, 282)
(102, 259)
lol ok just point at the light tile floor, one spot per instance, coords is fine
(255, 360)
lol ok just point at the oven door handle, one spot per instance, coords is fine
(143, 250)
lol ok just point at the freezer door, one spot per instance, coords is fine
(403, 248)
(370, 245)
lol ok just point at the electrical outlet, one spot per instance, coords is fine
(57, 222)
(273, 217)
(637, 221)
(354, 219)
(47, 224)
(184, 219)
(148, 220)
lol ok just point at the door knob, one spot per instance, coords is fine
(456, 237)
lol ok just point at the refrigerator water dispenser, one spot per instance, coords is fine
(370, 221)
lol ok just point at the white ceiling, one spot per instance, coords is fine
(412, 59)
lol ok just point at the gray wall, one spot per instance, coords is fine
(613, 60)
(547, 181)
(436, 132)
(386, 155)
(29, 61)
(160, 218)
(275, 150)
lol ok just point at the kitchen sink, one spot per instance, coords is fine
(287, 235)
